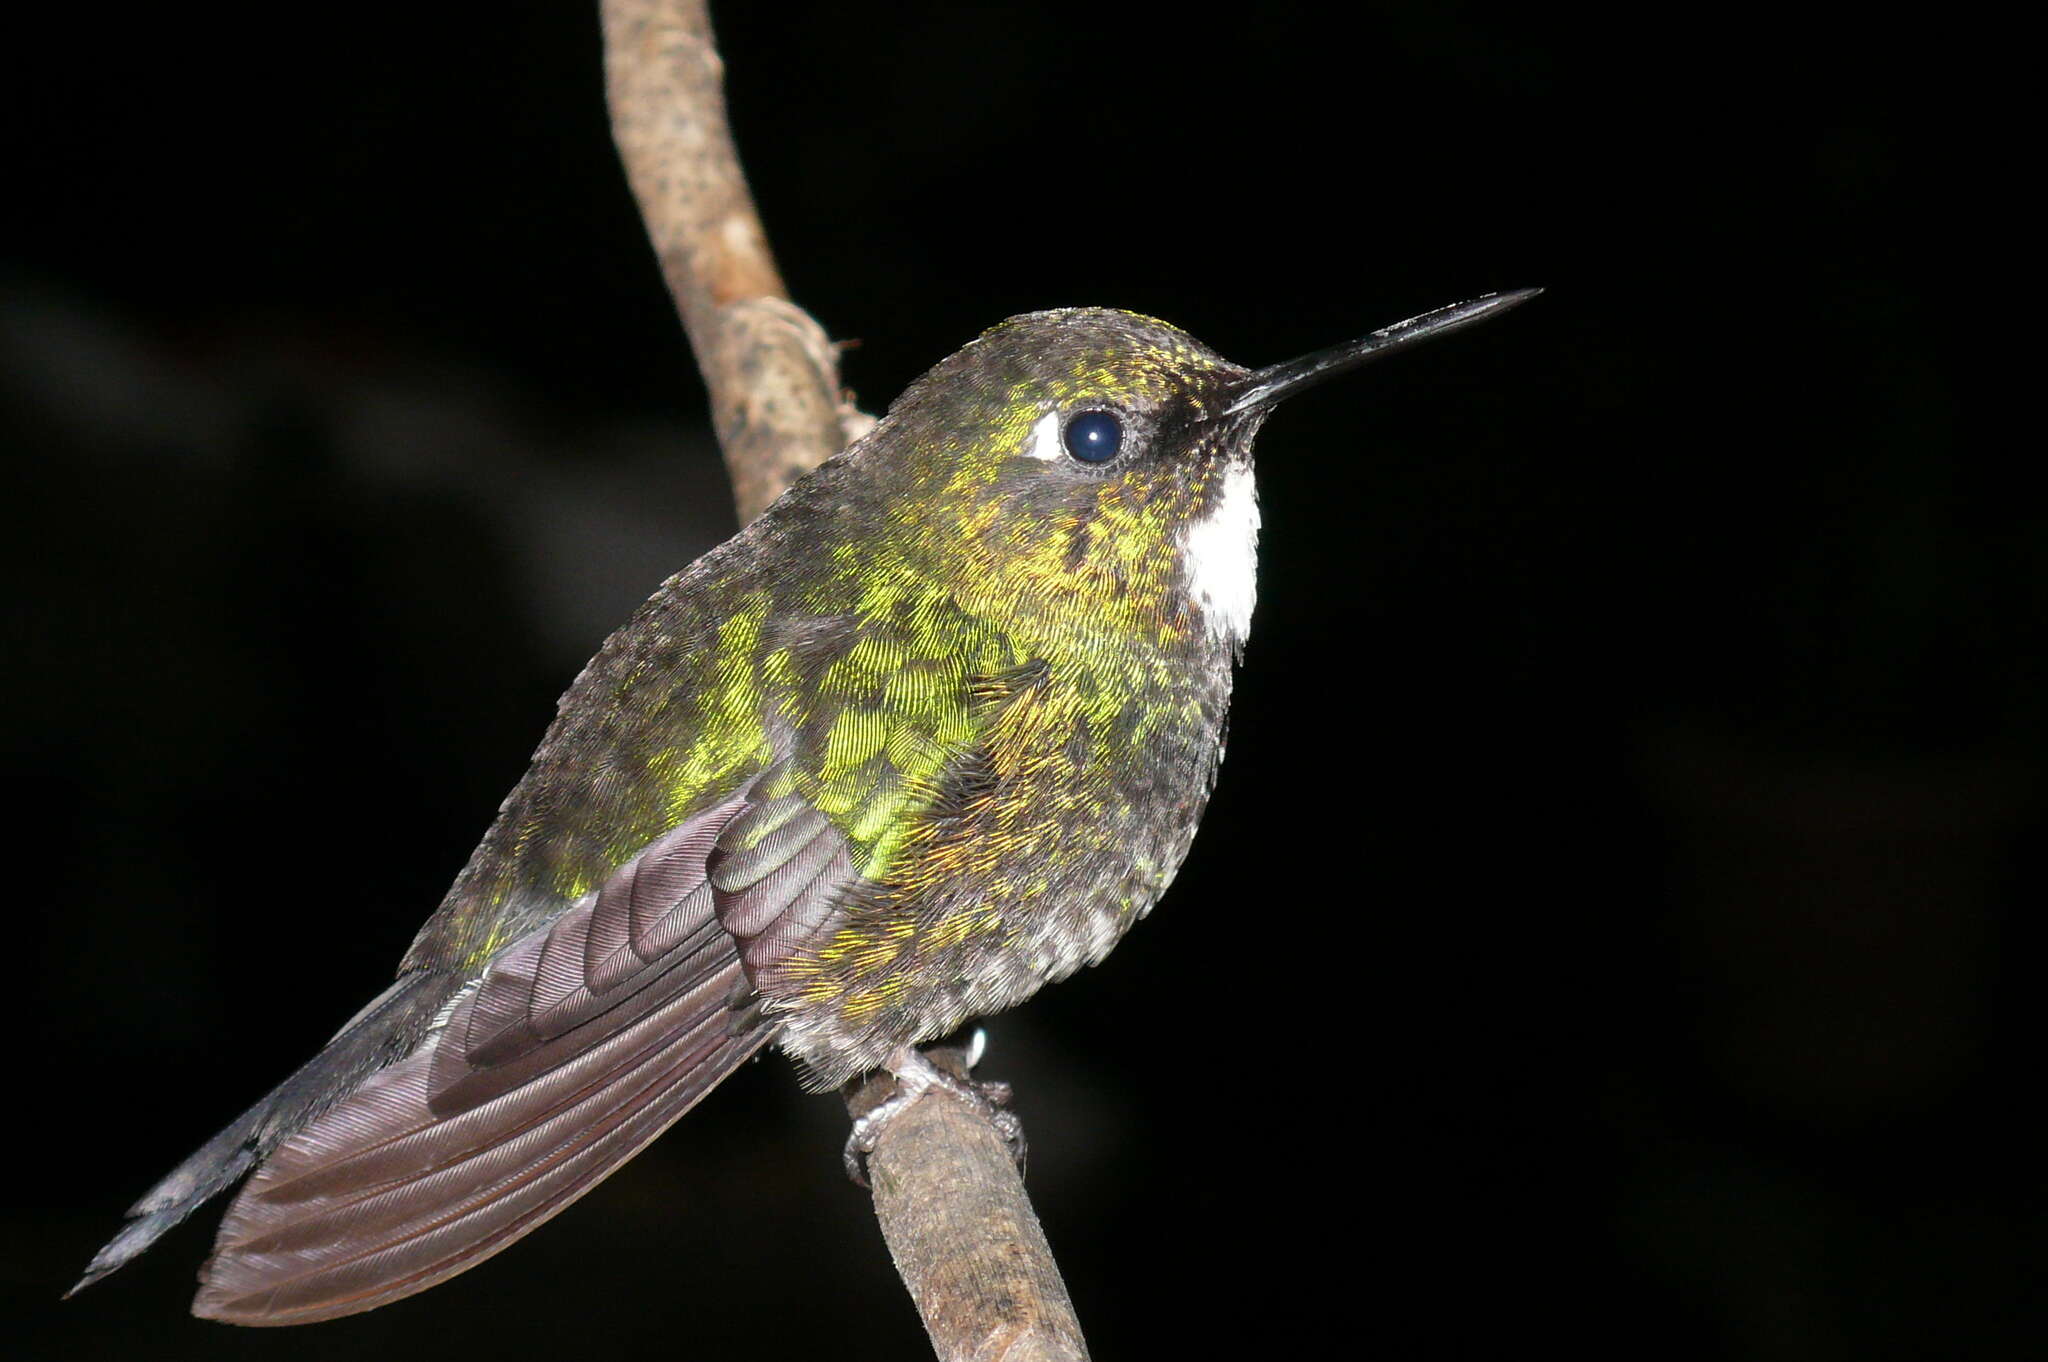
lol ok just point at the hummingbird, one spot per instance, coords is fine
(933, 731)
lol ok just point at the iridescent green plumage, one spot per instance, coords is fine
(981, 666)
(934, 730)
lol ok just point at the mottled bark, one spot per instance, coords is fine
(776, 401)
(952, 1205)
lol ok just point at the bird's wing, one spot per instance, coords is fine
(580, 1043)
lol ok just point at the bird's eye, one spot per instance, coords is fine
(1095, 436)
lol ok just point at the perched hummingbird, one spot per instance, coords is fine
(933, 730)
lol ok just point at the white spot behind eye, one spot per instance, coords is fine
(1045, 439)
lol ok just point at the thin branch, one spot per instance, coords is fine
(774, 377)
(966, 1242)
(951, 1204)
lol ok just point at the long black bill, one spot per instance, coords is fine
(1267, 386)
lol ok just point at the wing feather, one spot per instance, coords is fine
(581, 1042)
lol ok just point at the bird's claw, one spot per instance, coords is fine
(916, 1075)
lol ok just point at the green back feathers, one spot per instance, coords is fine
(846, 632)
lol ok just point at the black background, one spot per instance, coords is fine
(1611, 928)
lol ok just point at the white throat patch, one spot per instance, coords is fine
(1222, 557)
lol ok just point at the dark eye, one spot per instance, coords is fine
(1095, 436)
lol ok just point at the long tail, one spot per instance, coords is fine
(440, 1161)
(378, 1034)
(451, 1117)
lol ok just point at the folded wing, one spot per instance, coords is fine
(581, 1042)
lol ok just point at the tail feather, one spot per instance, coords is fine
(385, 1029)
(579, 1043)
(382, 1198)
(421, 1141)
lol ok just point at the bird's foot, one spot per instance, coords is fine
(915, 1076)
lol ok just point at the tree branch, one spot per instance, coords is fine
(960, 1227)
(776, 401)
(947, 1194)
